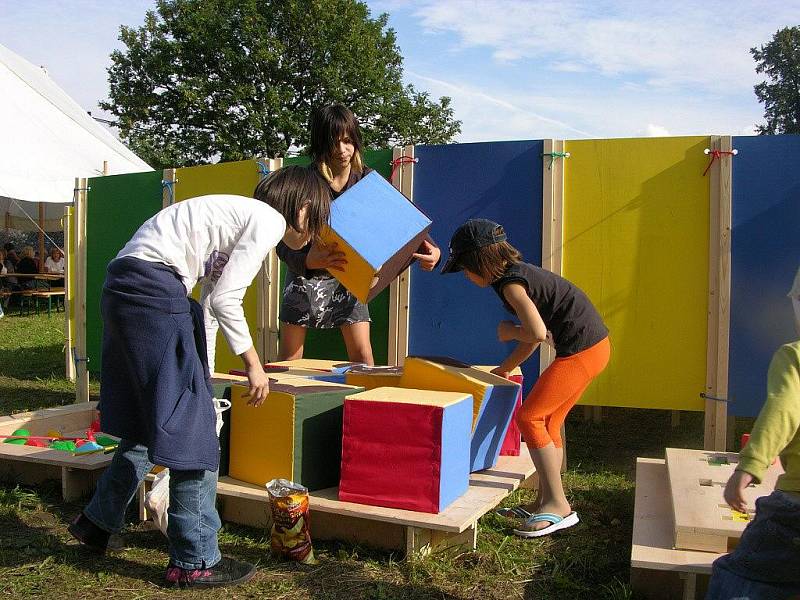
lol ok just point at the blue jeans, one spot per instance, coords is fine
(766, 563)
(193, 517)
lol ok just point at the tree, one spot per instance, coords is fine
(203, 80)
(780, 93)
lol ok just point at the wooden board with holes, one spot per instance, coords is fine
(390, 528)
(702, 520)
(657, 569)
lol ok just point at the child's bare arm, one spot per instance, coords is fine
(532, 328)
(518, 356)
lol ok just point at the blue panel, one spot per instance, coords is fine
(454, 464)
(491, 426)
(765, 257)
(376, 219)
(501, 181)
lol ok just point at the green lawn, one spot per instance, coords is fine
(589, 561)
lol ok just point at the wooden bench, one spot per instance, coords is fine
(57, 293)
(658, 570)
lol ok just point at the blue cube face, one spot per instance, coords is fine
(494, 418)
(376, 220)
(455, 460)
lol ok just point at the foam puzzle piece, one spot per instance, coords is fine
(405, 448)
(378, 230)
(494, 400)
(374, 377)
(295, 434)
(512, 443)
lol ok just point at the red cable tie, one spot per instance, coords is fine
(717, 154)
(401, 160)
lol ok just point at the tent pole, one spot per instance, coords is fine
(42, 257)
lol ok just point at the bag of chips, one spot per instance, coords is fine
(290, 534)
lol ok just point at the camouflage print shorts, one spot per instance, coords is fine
(320, 302)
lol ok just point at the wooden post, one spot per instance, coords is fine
(168, 181)
(552, 238)
(719, 289)
(105, 168)
(82, 368)
(269, 296)
(68, 296)
(400, 288)
(42, 256)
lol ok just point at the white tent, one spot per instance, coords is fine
(47, 140)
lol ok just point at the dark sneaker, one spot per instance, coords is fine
(89, 534)
(227, 572)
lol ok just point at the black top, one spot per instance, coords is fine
(566, 311)
(296, 259)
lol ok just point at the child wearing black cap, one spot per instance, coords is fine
(551, 309)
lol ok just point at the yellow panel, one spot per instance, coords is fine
(636, 234)
(262, 438)
(238, 178)
(358, 276)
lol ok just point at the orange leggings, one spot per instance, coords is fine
(556, 392)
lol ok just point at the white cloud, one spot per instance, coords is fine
(653, 130)
(668, 44)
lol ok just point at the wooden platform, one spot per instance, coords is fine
(30, 465)
(658, 570)
(388, 528)
(703, 521)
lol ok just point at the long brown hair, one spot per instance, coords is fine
(328, 125)
(290, 188)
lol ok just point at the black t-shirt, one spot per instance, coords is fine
(566, 311)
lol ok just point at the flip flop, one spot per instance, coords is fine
(514, 512)
(557, 523)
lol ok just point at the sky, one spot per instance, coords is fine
(515, 69)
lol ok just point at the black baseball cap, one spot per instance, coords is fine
(474, 234)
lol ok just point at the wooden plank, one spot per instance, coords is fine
(62, 418)
(719, 274)
(81, 369)
(269, 296)
(400, 288)
(702, 520)
(46, 456)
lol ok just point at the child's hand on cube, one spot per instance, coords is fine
(501, 372)
(321, 256)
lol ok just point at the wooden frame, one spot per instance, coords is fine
(269, 296)
(82, 368)
(168, 181)
(410, 532)
(400, 288)
(552, 238)
(31, 465)
(69, 364)
(719, 295)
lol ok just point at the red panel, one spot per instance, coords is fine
(391, 455)
(513, 439)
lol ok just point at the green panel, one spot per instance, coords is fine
(318, 438)
(328, 343)
(117, 205)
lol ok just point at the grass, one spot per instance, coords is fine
(37, 558)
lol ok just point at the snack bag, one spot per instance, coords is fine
(290, 535)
